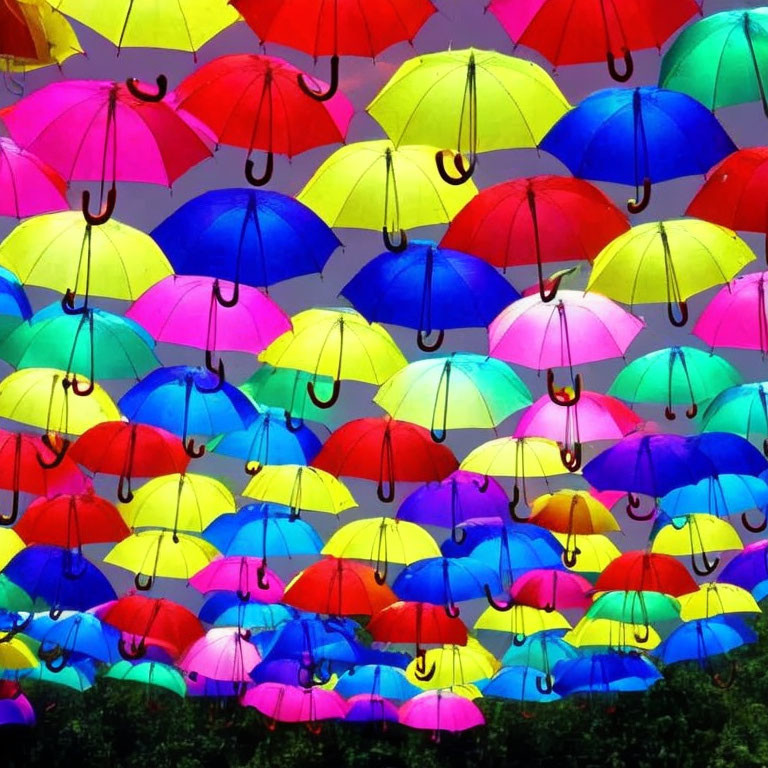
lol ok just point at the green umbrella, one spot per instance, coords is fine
(742, 410)
(675, 376)
(94, 344)
(462, 391)
(70, 676)
(638, 608)
(721, 60)
(13, 598)
(149, 673)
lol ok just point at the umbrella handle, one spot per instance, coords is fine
(18, 626)
(438, 435)
(266, 177)
(226, 303)
(333, 85)
(513, 506)
(191, 451)
(253, 471)
(633, 501)
(217, 369)
(503, 607)
(692, 411)
(424, 346)
(58, 662)
(132, 84)
(380, 576)
(220, 378)
(243, 597)
(11, 519)
(386, 496)
(105, 214)
(124, 492)
(645, 635)
(58, 454)
(54, 612)
(680, 321)
(554, 280)
(421, 672)
(518, 640)
(571, 457)
(634, 516)
(465, 171)
(638, 206)
(392, 246)
(629, 66)
(324, 404)
(68, 304)
(143, 582)
(483, 487)
(452, 611)
(669, 414)
(560, 399)
(569, 558)
(75, 385)
(135, 652)
(544, 684)
(759, 528)
(707, 568)
(261, 579)
(292, 426)
(724, 683)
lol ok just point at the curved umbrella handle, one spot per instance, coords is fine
(58, 662)
(220, 378)
(380, 576)
(759, 528)
(105, 214)
(292, 426)
(633, 501)
(217, 369)
(392, 246)
(548, 294)
(54, 612)
(11, 519)
(386, 496)
(135, 652)
(465, 171)
(645, 635)
(243, 597)
(438, 435)
(638, 518)
(680, 321)
(253, 471)
(452, 611)
(707, 566)
(564, 400)
(68, 304)
(724, 683)
(629, 67)
(692, 412)
(192, 451)
(226, 303)
(324, 404)
(333, 85)
(266, 177)
(75, 384)
(424, 346)
(503, 607)
(19, 626)
(513, 506)
(124, 492)
(261, 577)
(669, 414)
(143, 582)
(132, 84)
(544, 684)
(58, 454)
(569, 558)
(571, 457)
(638, 206)
(518, 639)
(421, 672)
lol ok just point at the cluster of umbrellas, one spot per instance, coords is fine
(498, 575)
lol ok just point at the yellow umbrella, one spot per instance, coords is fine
(177, 502)
(180, 25)
(300, 488)
(665, 262)
(382, 540)
(451, 665)
(595, 552)
(469, 100)
(715, 599)
(15, 654)
(373, 185)
(161, 553)
(10, 545)
(60, 251)
(338, 343)
(521, 621)
(607, 633)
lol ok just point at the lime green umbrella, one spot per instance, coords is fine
(149, 673)
(721, 60)
(638, 608)
(94, 344)
(675, 376)
(457, 392)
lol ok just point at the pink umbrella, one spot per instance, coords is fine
(291, 704)
(98, 130)
(593, 416)
(737, 317)
(182, 309)
(28, 186)
(574, 329)
(440, 711)
(223, 653)
(243, 575)
(552, 590)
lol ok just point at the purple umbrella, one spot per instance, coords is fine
(748, 568)
(16, 711)
(368, 708)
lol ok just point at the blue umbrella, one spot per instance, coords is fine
(226, 609)
(605, 673)
(731, 454)
(376, 680)
(248, 236)
(428, 288)
(638, 136)
(60, 578)
(520, 683)
(700, 639)
(188, 400)
(722, 496)
(269, 440)
(446, 581)
(82, 634)
(14, 304)
(494, 528)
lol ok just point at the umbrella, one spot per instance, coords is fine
(574, 329)
(14, 304)
(438, 711)
(14, 653)
(374, 185)
(590, 32)
(715, 600)
(747, 569)
(385, 451)
(188, 400)
(242, 575)
(178, 502)
(29, 186)
(595, 552)
(338, 587)
(300, 488)
(257, 102)
(11, 544)
(606, 635)
(605, 673)
(638, 608)
(430, 289)
(640, 571)
(221, 654)
(365, 708)
(78, 634)
(719, 59)
(520, 683)
(148, 673)
(21, 34)
(376, 680)
(228, 610)
(540, 651)
(551, 589)
(675, 376)
(452, 666)
(668, 261)
(78, 676)
(460, 391)
(293, 704)
(246, 236)
(98, 130)
(339, 343)
(129, 451)
(638, 136)
(62, 252)
(521, 621)
(741, 410)
(469, 101)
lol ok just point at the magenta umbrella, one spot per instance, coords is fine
(440, 711)
(593, 416)
(552, 590)
(737, 317)
(28, 186)
(98, 130)
(244, 575)
(223, 653)
(292, 704)
(182, 309)
(574, 329)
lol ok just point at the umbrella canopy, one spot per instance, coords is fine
(716, 599)
(221, 654)
(520, 683)
(80, 633)
(646, 572)
(551, 589)
(701, 639)
(605, 673)
(452, 666)
(292, 704)
(365, 708)
(226, 609)
(741, 410)
(376, 680)
(609, 635)
(418, 623)
(14, 304)
(521, 621)
(638, 608)
(29, 186)
(748, 568)
(595, 552)
(441, 711)
(722, 496)
(243, 575)
(148, 673)
(14, 653)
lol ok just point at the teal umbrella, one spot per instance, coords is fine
(149, 673)
(742, 410)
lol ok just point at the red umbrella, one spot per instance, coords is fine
(152, 621)
(71, 520)
(21, 34)
(386, 451)
(28, 465)
(582, 31)
(128, 451)
(541, 219)
(552, 590)
(735, 194)
(256, 102)
(642, 571)
(338, 587)
(343, 27)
